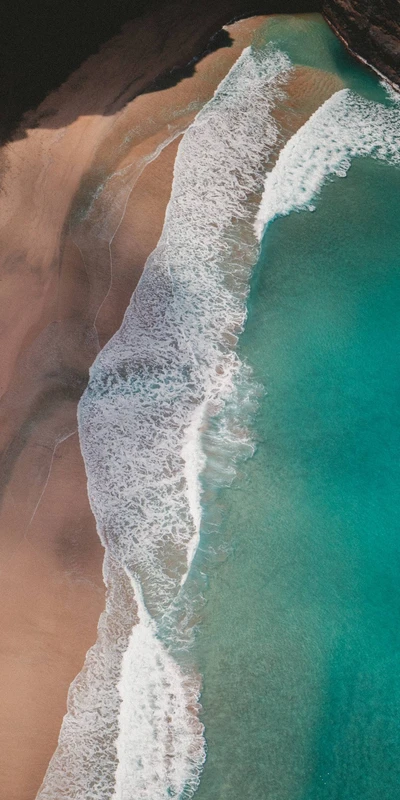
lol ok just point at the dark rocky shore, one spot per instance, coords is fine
(371, 31)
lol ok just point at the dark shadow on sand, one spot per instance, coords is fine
(177, 74)
(42, 42)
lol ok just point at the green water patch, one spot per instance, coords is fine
(299, 643)
(309, 41)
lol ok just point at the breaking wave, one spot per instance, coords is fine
(344, 127)
(132, 731)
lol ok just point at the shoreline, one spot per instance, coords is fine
(83, 204)
(75, 205)
(134, 540)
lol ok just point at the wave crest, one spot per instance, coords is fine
(344, 127)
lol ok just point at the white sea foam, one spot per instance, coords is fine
(84, 764)
(392, 93)
(171, 365)
(160, 735)
(194, 461)
(344, 127)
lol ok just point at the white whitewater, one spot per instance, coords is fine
(344, 127)
(132, 730)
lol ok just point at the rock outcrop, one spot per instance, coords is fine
(370, 29)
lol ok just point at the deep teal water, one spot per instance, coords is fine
(299, 642)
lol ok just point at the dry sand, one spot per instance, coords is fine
(84, 192)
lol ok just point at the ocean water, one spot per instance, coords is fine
(244, 477)
(299, 641)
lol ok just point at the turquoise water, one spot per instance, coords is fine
(308, 41)
(299, 642)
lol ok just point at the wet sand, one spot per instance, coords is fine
(82, 205)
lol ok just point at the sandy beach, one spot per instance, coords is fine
(85, 186)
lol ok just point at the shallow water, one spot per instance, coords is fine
(299, 642)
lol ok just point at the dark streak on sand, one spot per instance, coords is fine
(44, 405)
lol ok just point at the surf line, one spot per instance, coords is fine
(132, 729)
(344, 127)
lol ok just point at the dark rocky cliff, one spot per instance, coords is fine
(371, 31)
